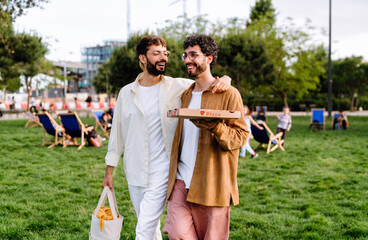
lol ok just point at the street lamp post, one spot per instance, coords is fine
(329, 67)
(65, 82)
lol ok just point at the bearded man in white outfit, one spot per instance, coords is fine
(141, 130)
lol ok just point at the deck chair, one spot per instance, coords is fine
(32, 120)
(51, 127)
(97, 114)
(75, 128)
(317, 119)
(266, 136)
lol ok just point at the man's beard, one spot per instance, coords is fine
(200, 68)
(152, 68)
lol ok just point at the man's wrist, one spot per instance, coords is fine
(109, 169)
(212, 128)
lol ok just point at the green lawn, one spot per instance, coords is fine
(317, 189)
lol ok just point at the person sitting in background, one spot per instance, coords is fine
(261, 115)
(52, 107)
(12, 103)
(32, 105)
(341, 121)
(92, 137)
(111, 112)
(249, 120)
(106, 120)
(88, 101)
(285, 122)
(40, 106)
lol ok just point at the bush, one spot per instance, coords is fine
(362, 102)
(341, 103)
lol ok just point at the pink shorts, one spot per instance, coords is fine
(186, 220)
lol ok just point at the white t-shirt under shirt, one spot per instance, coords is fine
(189, 144)
(157, 159)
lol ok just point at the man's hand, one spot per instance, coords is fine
(205, 124)
(108, 178)
(221, 85)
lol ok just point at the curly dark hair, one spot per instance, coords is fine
(207, 44)
(146, 41)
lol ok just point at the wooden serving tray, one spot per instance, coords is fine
(203, 113)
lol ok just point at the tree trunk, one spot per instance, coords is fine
(284, 99)
(352, 102)
(238, 81)
(28, 85)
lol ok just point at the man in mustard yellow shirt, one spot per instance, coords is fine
(204, 158)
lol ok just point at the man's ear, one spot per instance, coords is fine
(143, 59)
(209, 59)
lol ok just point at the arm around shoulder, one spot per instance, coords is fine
(184, 82)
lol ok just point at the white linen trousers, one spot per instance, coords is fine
(149, 203)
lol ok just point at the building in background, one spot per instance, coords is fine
(94, 56)
(76, 74)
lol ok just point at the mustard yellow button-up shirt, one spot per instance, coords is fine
(214, 181)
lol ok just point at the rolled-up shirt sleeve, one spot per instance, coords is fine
(116, 141)
(233, 134)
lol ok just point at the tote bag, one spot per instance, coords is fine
(112, 228)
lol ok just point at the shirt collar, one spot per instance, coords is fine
(135, 86)
(190, 89)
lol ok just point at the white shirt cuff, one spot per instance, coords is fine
(112, 159)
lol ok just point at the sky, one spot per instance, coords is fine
(68, 25)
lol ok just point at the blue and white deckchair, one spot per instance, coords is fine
(51, 127)
(318, 119)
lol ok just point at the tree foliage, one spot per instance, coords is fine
(16, 8)
(265, 60)
(20, 53)
(350, 77)
(263, 11)
(244, 57)
(29, 52)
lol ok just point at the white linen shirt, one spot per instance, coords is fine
(129, 133)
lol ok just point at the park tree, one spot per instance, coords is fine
(184, 26)
(29, 53)
(16, 8)
(261, 57)
(264, 12)
(350, 78)
(10, 70)
(100, 79)
(295, 61)
(243, 55)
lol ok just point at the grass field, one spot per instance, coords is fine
(317, 189)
